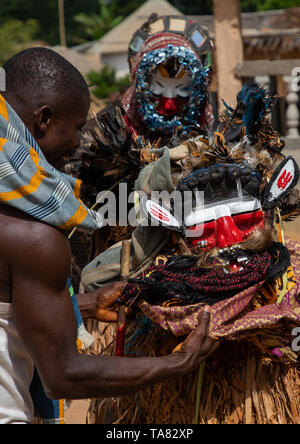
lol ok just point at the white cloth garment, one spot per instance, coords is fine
(16, 373)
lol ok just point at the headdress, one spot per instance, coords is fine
(158, 41)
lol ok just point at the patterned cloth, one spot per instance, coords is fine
(29, 183)
(244, 316)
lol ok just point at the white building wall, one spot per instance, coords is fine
(118, 62)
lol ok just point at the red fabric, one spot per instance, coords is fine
(120, 340)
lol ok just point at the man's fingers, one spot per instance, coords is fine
(205, 314)
(103, 315)
(204, 320)
(117, 287)
(120, 285)
(111, 315)
(108, 294)
(199, 338)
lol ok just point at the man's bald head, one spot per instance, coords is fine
(39, 75)
(51, 97)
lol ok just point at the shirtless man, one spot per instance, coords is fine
(37, 322)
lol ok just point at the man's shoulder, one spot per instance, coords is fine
(21, 232)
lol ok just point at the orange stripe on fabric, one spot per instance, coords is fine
(3, 108)
(33, 185)
(77, 188)
(61, 412)
(2, 143)
(75, 220)
(79, 344)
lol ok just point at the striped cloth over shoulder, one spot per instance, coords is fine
(30, 184)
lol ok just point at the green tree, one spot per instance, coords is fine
(196, 7)
(264, 5)
(128, 7)
(45, 12)
(97, 25)
(104, 83)
(15, 36)
(199, 7)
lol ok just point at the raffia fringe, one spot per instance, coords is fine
(240, 387)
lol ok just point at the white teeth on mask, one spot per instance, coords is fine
(202, 243)
(242, 259)
(232, 249)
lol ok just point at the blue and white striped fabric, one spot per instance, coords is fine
(29, 183)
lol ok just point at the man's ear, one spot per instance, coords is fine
(43, 119)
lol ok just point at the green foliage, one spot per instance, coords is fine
(15, 36)
(45, 12)
(128, 7)
(104, 83)
(199, 7)
(98, 24)
(264, 5)
(196, 7)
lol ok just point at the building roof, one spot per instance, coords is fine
(83, 62)
(117, 40)
(262, 21)
(265, 31)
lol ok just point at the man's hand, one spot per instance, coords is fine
(198, 344)
(106, 309)
(100, 305)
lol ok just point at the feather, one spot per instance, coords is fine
(253, 103)
(291, 217)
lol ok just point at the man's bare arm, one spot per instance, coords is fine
(46, 322)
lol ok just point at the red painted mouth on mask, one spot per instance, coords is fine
(170, 106)
(227, 231)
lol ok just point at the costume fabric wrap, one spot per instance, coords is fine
(253, 314)
(30, 184)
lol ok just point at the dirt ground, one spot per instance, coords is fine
(76, 413)
(292, 230)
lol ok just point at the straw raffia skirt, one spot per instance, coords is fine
(237, 385)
